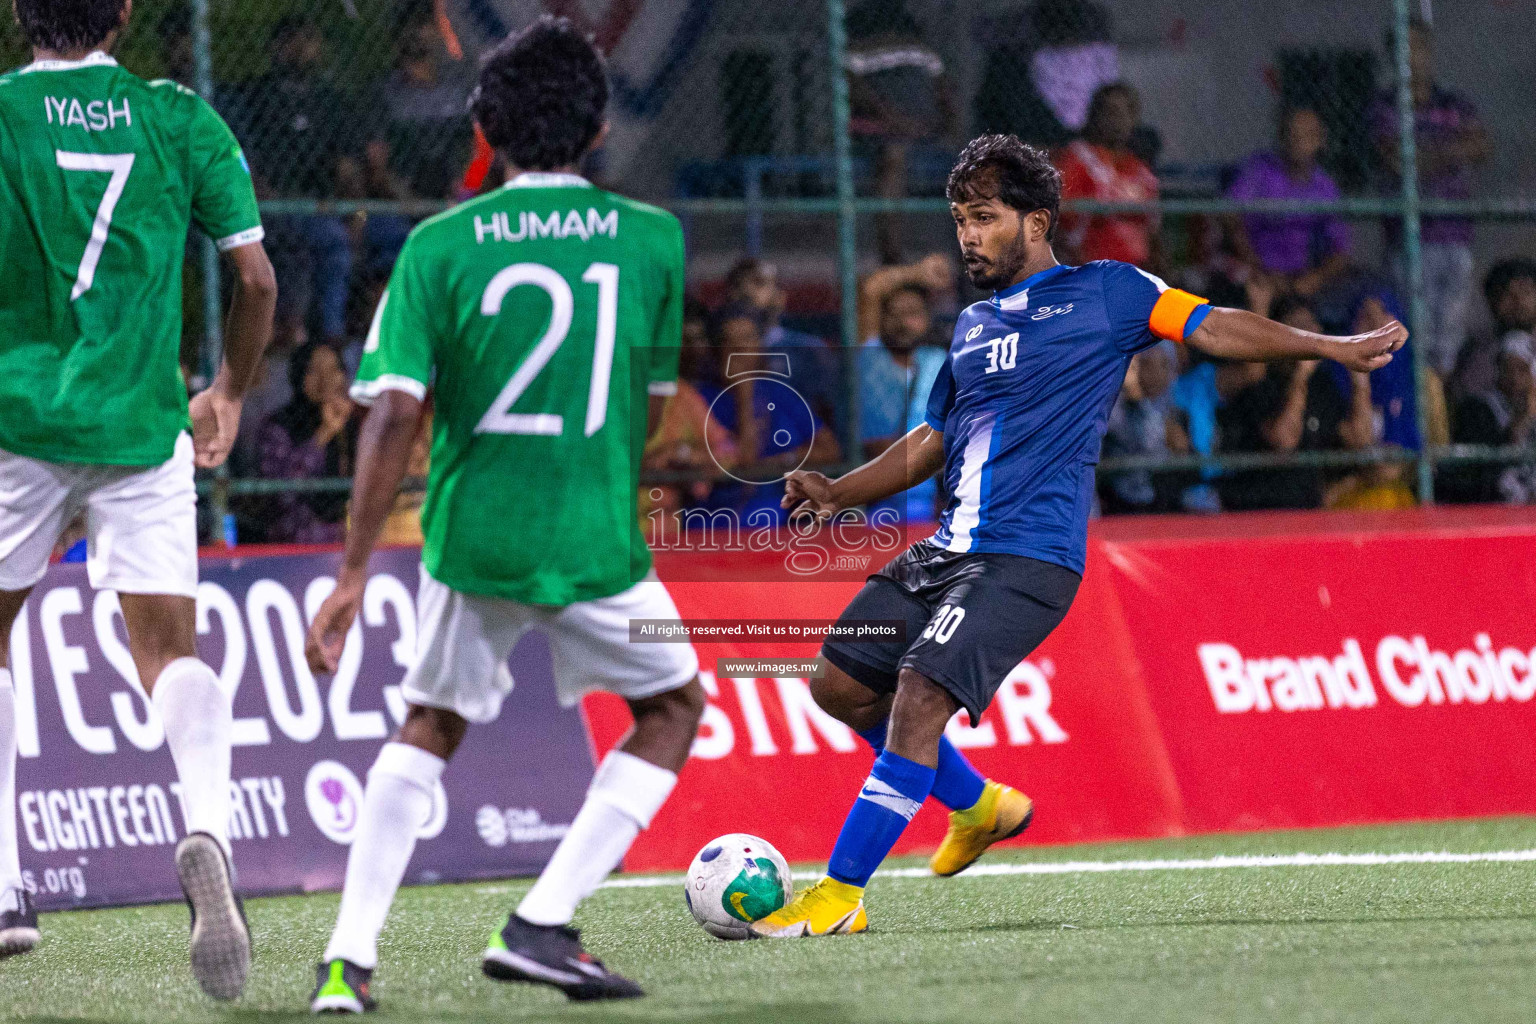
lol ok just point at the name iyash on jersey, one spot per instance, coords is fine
(498, 226)
(95, 116)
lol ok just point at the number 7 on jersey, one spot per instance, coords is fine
(119, 165)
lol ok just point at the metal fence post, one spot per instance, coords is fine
(213, 301)
(1413, 254)
(847, 226)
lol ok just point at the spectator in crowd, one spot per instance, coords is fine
(269, 391)
(304, 139)
(1510, 289)
(1305, 252)
(1101, 166)
(1394, 391)
(753, 396)
(815, 367)
(689, 437)
(1504, 414)
(898, 364)
(755, 282)
(901, 102)
(1292, 408)
(429, 126)
(1451, 143)
(1395, 400)
(1038, 87)
(1144, 422)
(896, 324)
(308, 439)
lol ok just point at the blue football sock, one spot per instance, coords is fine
(957, 786)
(894, 791)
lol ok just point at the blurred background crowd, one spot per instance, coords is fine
(352, 116)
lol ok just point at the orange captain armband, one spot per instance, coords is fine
(1177, 314)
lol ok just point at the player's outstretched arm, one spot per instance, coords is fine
(383, 453)
(1239, 334)
(216, 411)
(904, 464)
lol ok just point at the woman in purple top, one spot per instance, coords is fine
(308, 439)
(1305, 251)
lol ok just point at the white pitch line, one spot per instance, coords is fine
(1078, 867)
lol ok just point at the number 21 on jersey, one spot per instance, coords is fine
(499, 419)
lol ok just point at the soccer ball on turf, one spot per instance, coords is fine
(735, 880)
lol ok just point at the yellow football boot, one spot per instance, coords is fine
(1001, 813)
(829, 907)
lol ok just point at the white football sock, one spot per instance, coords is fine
(10, 856)
(625, 795)
(198, 723)
(397, 802)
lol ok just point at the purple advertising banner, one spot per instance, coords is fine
(98, 809)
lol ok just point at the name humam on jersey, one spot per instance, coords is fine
(530, 226)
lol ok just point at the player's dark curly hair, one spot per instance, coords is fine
(1005, 168)
(68, 24)
(541, 95)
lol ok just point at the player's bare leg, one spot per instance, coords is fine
(981, 811)
(919, 713)
(18, 918)
(628, 789)
(850, 701)
(198, 720)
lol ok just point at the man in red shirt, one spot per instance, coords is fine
(1100, 165)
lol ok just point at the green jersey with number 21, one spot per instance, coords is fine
(542, 317)
(101, 174)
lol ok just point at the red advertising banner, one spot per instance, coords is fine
(1260, 671)
(1325, 671)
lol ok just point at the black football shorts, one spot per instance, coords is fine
(970, 619)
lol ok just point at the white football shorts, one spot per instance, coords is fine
(463, 641)
(140, 522)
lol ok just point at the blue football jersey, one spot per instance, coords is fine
(1024, 398)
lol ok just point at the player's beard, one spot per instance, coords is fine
(999, 274)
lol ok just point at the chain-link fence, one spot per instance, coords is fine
(1251, 154)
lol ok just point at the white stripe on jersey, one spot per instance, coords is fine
(1015, 302)
(1162, 285)
(978, 449)
(366, 392)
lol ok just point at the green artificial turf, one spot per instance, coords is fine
(1396, 942)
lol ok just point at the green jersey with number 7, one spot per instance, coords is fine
(101, 175)
(542, 317)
